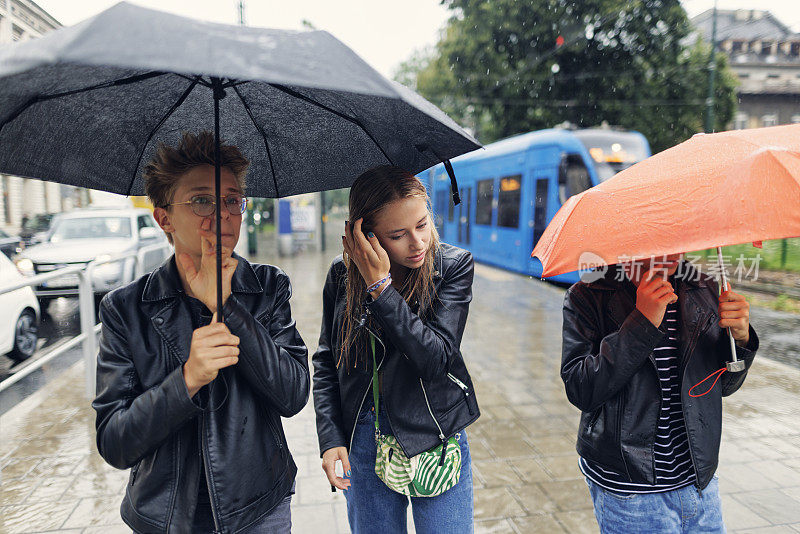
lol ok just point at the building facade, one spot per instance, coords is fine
(765, 55)
(21, 20)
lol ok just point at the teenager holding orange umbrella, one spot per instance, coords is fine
(638, 335)
(633, 343)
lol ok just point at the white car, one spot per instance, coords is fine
(19, 328)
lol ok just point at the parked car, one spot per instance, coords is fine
(19, 330)
(11, 245)
(81, 236)
(34, 229)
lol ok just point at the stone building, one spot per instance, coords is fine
(21, 20)
(765, 55)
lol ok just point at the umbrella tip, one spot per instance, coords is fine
(698, 134)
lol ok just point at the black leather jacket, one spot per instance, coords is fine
(426, 389)
(146, 420)
(610, 374)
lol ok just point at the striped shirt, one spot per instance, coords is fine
(673, 461)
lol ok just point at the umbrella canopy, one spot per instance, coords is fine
(712, 190)
(87, 105)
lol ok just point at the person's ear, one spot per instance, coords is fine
(162, 217)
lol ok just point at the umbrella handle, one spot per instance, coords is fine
(735, 364)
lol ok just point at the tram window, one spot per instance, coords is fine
(573, 177)
(483, 206)
(441, 201)
(450, 206)
(508, 199)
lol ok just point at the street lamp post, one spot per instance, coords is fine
(712, 72)
(323, 218)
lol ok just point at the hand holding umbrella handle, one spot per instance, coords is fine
(735, 365)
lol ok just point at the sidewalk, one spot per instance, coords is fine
(523, 446)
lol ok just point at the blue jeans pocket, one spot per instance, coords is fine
(620, 496)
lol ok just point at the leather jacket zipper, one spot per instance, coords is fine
(441, 433)
(594, 419)
(364, 397)
(275, 434)
(135, 471)
(355, 421)
(206, 468)
(464, 389)
(693, 340)
(655, 427)
(685, 362)
(689, 350)
(620, 412)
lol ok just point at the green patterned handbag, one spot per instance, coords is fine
(427, 474)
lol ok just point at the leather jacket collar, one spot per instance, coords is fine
(623, 300)
(614, 279)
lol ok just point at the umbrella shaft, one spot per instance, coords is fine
(725, 288)
(218, 94)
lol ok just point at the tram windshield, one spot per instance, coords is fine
(613, 151)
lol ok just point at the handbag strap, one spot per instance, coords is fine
(374, 385)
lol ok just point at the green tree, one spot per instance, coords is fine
(504, 67)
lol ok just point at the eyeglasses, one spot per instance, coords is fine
(205, 205)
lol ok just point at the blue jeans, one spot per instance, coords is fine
(373, 508)
(683, 510)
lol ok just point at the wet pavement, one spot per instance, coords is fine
(780, 338)
(524, 461)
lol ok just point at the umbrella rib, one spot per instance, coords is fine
(169, 113)
(320, 105)
(263, 135)
(194, 79)
(43, 98)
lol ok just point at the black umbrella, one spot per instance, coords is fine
(87, 105)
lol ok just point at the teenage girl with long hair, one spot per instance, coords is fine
(397, 284)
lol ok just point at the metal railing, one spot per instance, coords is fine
(86, 306)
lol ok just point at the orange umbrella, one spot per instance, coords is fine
(710, 191)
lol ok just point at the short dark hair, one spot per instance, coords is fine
(162, 172)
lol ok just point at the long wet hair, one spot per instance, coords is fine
(369, 195)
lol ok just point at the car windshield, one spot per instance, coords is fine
(91, 228)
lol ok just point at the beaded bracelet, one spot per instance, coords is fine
(379, 283)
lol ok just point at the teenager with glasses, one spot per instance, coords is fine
(205, 205)
(192, 405)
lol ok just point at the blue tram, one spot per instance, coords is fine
(512, 189)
